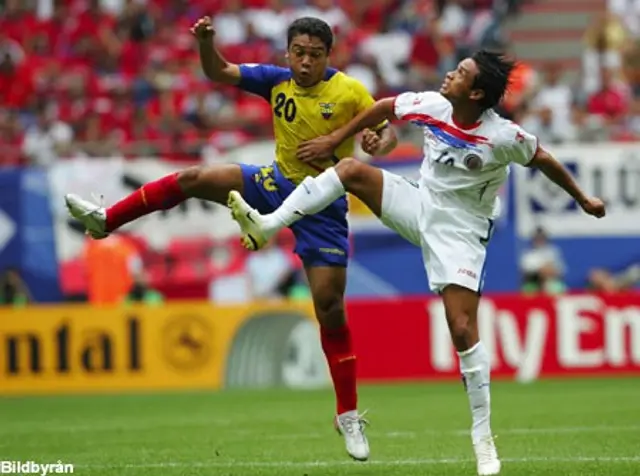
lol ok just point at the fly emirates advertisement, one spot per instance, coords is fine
(527, 337)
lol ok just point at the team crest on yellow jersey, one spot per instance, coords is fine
(326, 109)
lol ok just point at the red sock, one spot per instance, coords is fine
(338, 349)
(161, 194)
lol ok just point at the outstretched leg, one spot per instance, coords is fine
(211, 183)
(313, 195)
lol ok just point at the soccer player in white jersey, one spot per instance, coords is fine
(449, 212)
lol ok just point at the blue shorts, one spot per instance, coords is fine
(321, 239)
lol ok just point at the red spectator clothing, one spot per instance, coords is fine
(256, 51)
(424, 52)
(182, 38)
(133, 57)
(374, 17)
(74, 111)
(89, 25)
(42, 72)
(371, 16)
(119, 115)
(17, 90)
(173, 105)
(611, 103)
(19, 27)
(56, 35)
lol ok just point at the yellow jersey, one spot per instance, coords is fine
(301, 114)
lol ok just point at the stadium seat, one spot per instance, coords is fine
(190, 248)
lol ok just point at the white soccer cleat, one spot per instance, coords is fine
(487, 457)
(254, 236)
(351, 426)
(91, 215)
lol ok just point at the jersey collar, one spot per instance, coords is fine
(469, 127)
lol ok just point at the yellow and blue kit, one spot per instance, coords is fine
(301, 114)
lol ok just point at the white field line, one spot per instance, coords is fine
(231, 434)
(329, 464)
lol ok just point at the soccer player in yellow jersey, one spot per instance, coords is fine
(308, 99)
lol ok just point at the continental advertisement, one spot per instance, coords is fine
(81, 349)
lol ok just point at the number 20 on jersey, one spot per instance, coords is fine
(285, 107)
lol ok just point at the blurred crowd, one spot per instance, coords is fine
(122, 77)
(604, 103)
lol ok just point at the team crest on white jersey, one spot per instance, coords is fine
(326, 109)
(473, 162)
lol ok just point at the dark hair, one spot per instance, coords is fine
(312, 27)
(494, 70)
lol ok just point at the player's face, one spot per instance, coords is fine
(308, 59)
(458, 84)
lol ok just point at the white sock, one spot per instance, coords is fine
(310, 197)
(475, 366)
(349, 414)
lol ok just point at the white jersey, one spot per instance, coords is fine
(467, 166)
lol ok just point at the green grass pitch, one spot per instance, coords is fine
(574, 427)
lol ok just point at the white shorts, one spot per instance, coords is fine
(453, 240)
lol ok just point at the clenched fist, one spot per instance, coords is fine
(370, 142)
(593, 206)
(203, 29)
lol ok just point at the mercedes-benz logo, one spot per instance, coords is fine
(186, 342)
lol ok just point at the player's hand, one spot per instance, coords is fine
(593, 206)
(203, 29)
(320, 148)
(371, 142)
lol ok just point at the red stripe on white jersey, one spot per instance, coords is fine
(448, 128)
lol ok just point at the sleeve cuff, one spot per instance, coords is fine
(393, 106)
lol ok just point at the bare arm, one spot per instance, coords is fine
(555, 172)
(215, 67)
(322, 148)
(368, 119)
